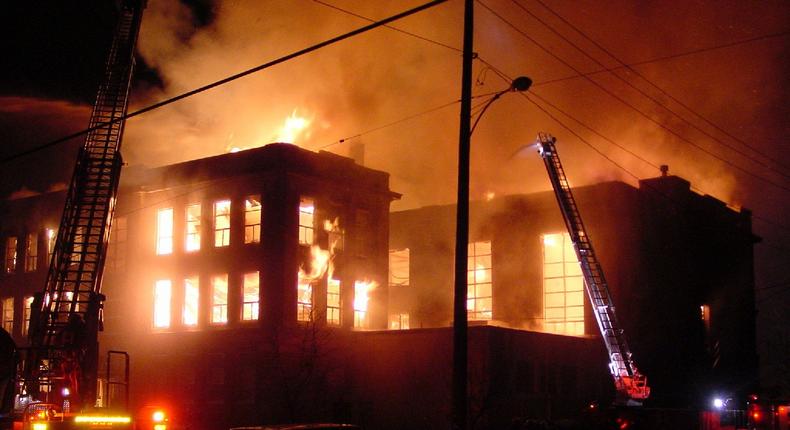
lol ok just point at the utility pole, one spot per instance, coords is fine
(460, 353)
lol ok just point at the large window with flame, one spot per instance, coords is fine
(479, 296)
(362, 290)
(192, 227)
(399, 267)
(250, 296)
(51, 236)
(399, 321)
(222, 223)
(162, 296)
(31, 252)
(10, 254)
(8, 314)
(306, 220)
(304, 298)
(563, 286)
(252, 219)
(164, 231)
(190, 312)
(333, 302)
(26, 312)
(219, 299)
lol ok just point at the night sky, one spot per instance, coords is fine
(707, 95)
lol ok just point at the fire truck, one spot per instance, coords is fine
(631, 386)
(57, 382)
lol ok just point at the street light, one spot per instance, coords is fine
(520, 84)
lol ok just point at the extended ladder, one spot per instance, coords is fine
(67, 315)
(630, 384)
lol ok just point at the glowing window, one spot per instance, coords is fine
(164, 231)
(333, 302)
(162, 296)
(10, 255)
(399, 321)
(222, 223)
(26, 314)
(304, 299)
(219, 299)
(252, 219)
(193, 228)
(362, 291)
(8, 315)
(31, 252)
(306, 221)
(399, 267)
(479, 279)
(51, 236)
(191, 301)
(250, 296)
(563, 286)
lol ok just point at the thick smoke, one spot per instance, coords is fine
(384, 76)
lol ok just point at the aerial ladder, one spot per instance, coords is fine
(61, 365)
(631, 386)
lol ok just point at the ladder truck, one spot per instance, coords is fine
(59, 371)
(631, 386)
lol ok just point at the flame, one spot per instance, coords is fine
(362, 290)
(293, 128)
(318, 265)
(480, 273)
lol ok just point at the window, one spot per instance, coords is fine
(252, 219)
(333, 302)
(51, 236)
(705, 316)
(478, 275)
(116, 253)
(222, 223)
(31, 252)
(191, 301)
(10, 255)
(26, 314)
(164, 231)
(8, 315)
(250, 296)
(219, 299)
(306, 221)
(399, 321)
(193, 228)
(563, 287)
(304, 299)
(362, 291)
(162, 295)
(399, 267)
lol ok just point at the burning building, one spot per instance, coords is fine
(274, 285)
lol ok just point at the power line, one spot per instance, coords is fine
(654, 85)
(231, 78)
(348, 12)
(634, 108)
(666, 57)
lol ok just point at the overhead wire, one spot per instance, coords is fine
(626, 103)
(654, 85)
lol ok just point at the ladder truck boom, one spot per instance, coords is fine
(631, 386)
(66, 317)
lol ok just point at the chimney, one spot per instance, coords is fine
(664, 169)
